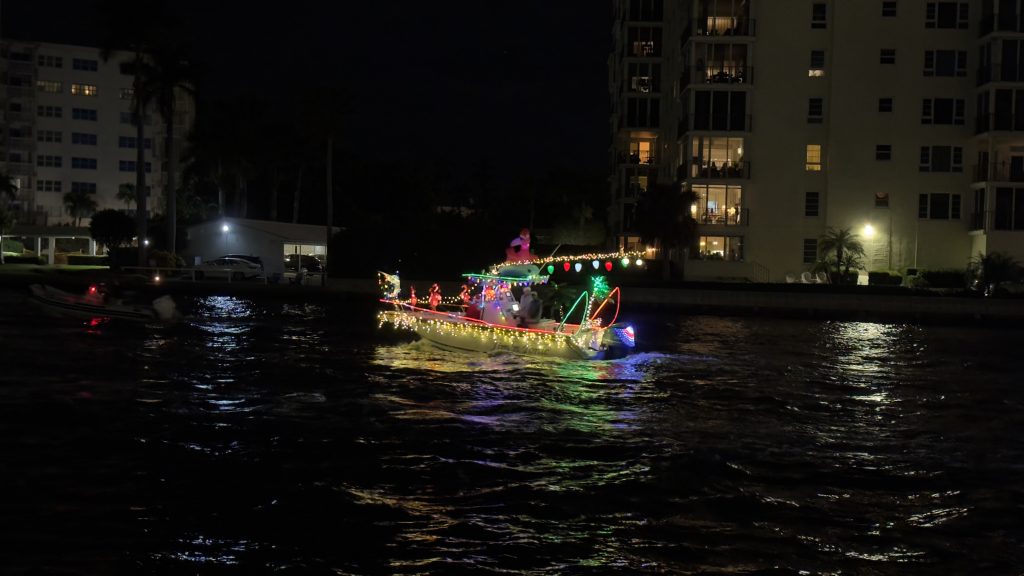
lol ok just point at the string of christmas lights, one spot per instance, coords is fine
(625, 258)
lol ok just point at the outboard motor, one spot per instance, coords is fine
(620, 339)
(165, 308)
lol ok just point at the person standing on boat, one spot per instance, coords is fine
(519, 249)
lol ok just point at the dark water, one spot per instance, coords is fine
(298, 439)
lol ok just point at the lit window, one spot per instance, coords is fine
(83, 90)
(813, 158)
(817, 68)
(50, 86)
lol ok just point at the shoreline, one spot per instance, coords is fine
(821, 302)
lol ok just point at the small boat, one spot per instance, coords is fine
(96, 304)
(494, 321)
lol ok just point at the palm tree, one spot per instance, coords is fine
(663, 216)
(8, 192)
(992, 268)
(126, 194)
(846, 246)
(138, 31)
(79, 203)
(169, 74)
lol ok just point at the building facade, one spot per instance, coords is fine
(893, 118)
(68, 127)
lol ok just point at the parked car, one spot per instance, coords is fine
(308, 263)
(302, 269)
(229, 268)
(247, 257)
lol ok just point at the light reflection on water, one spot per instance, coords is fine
(274, 437)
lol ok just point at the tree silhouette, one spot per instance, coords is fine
(79, 204)
(663, 216)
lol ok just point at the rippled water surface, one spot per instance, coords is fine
(299, 439)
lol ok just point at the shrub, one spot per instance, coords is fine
(165, 259)
(12, 245)
(883, 278)
(24, 259)
(60, 259)
(86, 260)
(941, 279)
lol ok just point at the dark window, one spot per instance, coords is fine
(810, 250)
(81, 138)
(941, 159)
(940, 206)
(645, 10)
(885, 104)
(83, 114)
(817, 59)
(942, 111)
(819, 13)
(881, 199)
(947, 63)
(87, 187)
(946, 15)
(83, 64)
(811, 202)
(883, 152)
(889, 9)
(887, 56)
(815, 110)
(83, 163)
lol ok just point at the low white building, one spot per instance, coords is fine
(271, 241)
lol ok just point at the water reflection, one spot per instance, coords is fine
(262, 437)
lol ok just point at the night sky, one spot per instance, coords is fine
(521, 85)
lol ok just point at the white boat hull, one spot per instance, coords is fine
(71, 305)
(453, 332)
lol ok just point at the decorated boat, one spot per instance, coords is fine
(501, 310)
(97, 304)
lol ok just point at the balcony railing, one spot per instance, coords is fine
(727, 171)
(716, 122)
(998, 172)
(729, 217)
(720, 26)
(1001, 23)
(996, 73)
(998, 123)
(718, 74)
(980, 220)
(646, 158)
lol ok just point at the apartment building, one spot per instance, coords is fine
(893, 118)
(67, 127)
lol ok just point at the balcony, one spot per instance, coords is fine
(997, 172)
(718, 26)
(644, 158)
(729, 217)
(998, 123)
(718, 74)
(996, 73)
(979, 221)
(1000, 23)
(706, 171)
(716, 122)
